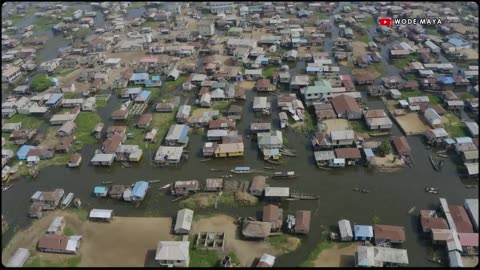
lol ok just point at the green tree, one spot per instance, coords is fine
(385, 148)
(40, 82)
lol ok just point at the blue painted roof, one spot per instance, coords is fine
(22, 152)
(143, 95)
(184, 131)
(53, 79)
(464, 140)
(54, 98)
(139, 76)
(139, 189)
(449, 141)
(368, 152)
(100, 189)
(255, 9)
(445, 79)
(456, 41)
(242, 168)
(363, 230)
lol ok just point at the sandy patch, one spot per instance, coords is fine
(470, 261)
(411, 124)
(389, 161)
(337, 256)
(126, 241)
(471, 54)
(199, 112)
(246, 251)
(462, 29)
(336, 124)
(359, 48)
(247, 85)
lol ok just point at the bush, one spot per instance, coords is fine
(40, 82)
(385, 148)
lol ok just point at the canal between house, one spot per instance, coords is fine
(392, 194)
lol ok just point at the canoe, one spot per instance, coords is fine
(273, 162)
(412, 209)
(153, 181)
(289, 174)
(107, 182)
(5, 188)
(241, 170)
(165, 186)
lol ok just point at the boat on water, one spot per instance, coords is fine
(435, 165)
(273, 162)
(289, 174)
(442, 155)
(430, 189)
(365, 190)
(153, 181)
(5, 188)
(269, 168)
(356, 189)
(106, 182)
(67, 200)
(206, 159)
(412, 209)
(241, 170)
(165, 186)
(216, 170)
(126, 164)
(469, 186)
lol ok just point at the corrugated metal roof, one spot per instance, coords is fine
(173, 250)
(345, 228)
(139, 189)
(101, 213)
(19, 258)
(184, 219)
(363, 230)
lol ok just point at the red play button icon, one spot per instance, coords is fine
(385, 21)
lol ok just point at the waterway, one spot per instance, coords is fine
(392, 194)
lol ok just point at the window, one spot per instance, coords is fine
(179, 261)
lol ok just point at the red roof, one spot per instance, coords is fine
(52, 241)
(352, 153)
(389, 232)
(461, 219)
(263, 83)
(302, 220)
(433, 223)
(111, 144)
(345, 104)
(468, 239)
(272, 214)
(401, 144)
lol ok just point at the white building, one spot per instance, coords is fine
(221, 7)
(173, 253)
(206, 28)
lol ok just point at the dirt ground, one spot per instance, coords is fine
(471, 54)
(359, 48)
(336, 124)
(126, 241)
(247, 251)
(411, 124)
(386, 162)
(199, 112)
(470, 261)
(247, 85)
(338, 257)
(462, 29)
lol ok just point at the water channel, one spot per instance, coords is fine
(392, 194)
